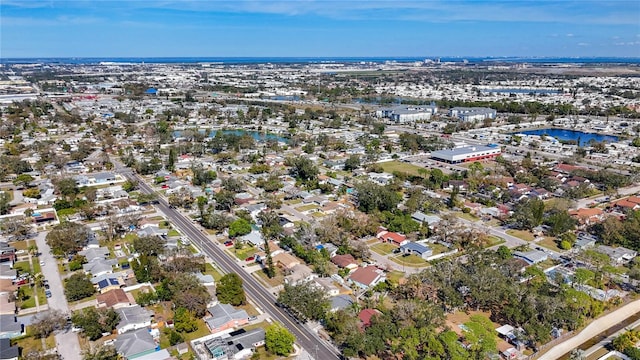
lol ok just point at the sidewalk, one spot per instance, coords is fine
(596, 327)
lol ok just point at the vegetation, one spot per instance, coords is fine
(229, 290)
(78, 287)
(95, 321)
(278, 340)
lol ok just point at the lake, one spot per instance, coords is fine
(566, 135)
(256, 135)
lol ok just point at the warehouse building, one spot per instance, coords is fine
(466, 153)
(472, 113)
(404, 114)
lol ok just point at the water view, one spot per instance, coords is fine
(568, 135)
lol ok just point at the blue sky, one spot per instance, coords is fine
(318, 28)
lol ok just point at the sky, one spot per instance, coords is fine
(319, 28)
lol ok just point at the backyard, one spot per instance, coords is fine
(524, 235)
(410, 260)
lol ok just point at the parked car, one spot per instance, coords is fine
(47, 293)
(228, 243)
(250, 258)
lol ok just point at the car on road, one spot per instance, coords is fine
(41, 263)
(228, 243)
(250, 258)
(252, 317)
(47, 293)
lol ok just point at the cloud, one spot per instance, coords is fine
(584, 44)
(569, 35)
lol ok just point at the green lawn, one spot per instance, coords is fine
(42, 297)
(244, 252)
(401, 167)
(30, 300)
(202, 331)
(411, 260)
(293, 201)
(317, 214)
(307, 207)
(383, 248)
(275, 281)
(550, 243)
(494, 240)
(173, 232)
(35, 262)
(20, 245)
(524, 235)
(22, 266)
(210, 270)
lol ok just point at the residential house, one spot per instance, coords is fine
(8, 352)
(115, 299)
(91, 254)
(587, 216)
(532, 256)
(7, 253)
(619, 255)
(224, 317)
(239, 344)
(417, 249)
(423, 218)
(346, 261)
(254, 238)
(99, 267)
(135, 344)
(366, 277)
(108, 284)
(365, 317)
(10, 327)
(299, 274)
(327, 285)
(7, 306)
(340, 302)
(133, 318)
(391, 237)
(285, 260)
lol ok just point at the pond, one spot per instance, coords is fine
(567, 135)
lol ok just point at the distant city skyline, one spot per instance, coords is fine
(320, 28)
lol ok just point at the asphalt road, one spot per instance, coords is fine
(67, 342)
(263, 298)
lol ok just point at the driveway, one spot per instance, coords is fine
(70, 349)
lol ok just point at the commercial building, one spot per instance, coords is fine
(472, 113)
(466, 153)
(403, 114)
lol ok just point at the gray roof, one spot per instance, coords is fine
(462, 150)
(422, 217)
(7, 351)
(135, 342)
(341, 302)
(8, 324)
(237, 341)
(104, 176)
(415, 247)
(95, 253)
(254, 237)
(98, 266)
(532, 257)
(223, 313)
(133, 315)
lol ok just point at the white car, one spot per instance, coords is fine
(41, 263)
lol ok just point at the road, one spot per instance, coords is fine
(71, 346)
(596, 327)
(254, 289)
(629, 190)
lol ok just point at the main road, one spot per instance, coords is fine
(261, 296)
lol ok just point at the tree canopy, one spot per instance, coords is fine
(67, 238)
(278, 340)
(229, 290)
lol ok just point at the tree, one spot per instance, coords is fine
(31, 193)
(102, 352)
(229, 290)
(305, 301)
(479, 333)
(95, 321)
(239, 227)
(23, 180)
(528, 214)
(44, 324)
(129, 185)
(67, 238)
(302, 168)
(66, 187)
(225, 199)
(352, 163)
(184, 321)
(78, 287)
(375, 197)
(149, 245)
(5, 203)
(278, 340)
